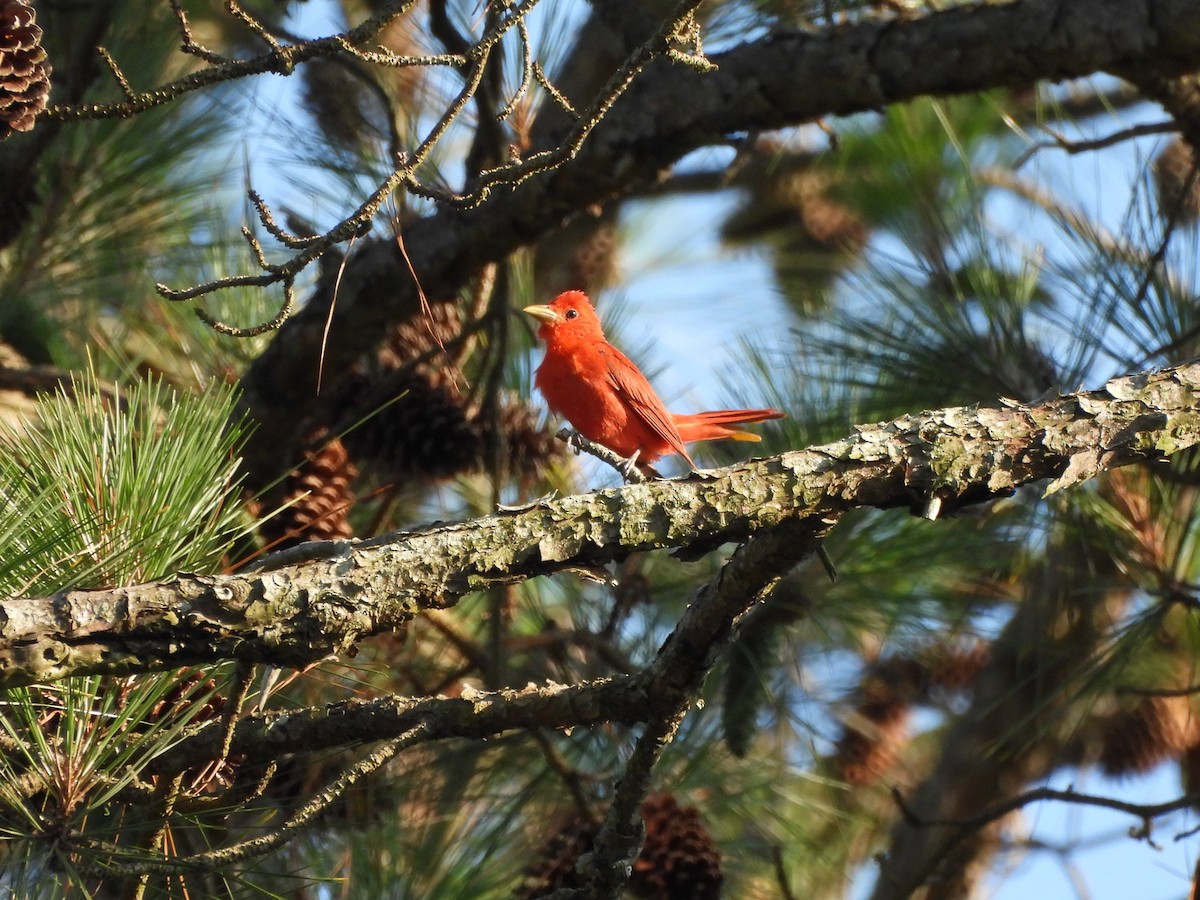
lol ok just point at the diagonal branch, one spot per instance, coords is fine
(300, 605)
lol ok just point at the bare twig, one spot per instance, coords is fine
(514, 173)
(1147, 812)
(293, 241)
(289, 301)
(526, 73)
(238, 12)
(555, 94)
(282, 60)
(116, 72)
(189, 43)
(359, 220)
(255, 846)
(1062, 142)
(578, 442)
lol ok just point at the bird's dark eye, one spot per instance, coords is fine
(572, 313)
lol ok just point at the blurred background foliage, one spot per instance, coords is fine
(918, 258)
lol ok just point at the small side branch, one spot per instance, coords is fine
(1147, 812)
(281, 59)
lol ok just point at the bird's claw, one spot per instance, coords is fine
(627, 468)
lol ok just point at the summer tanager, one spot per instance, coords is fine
(595, 387)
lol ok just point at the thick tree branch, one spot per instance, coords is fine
(659, 691)
(301, 605)
(783, 79)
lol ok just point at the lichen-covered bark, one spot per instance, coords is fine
(302, 605)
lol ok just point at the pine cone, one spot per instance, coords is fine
(554, 868)
(797, 206)
(679, 859)
(1158, 728)
(583, 254)
(531, 448)
(421, 334)
(336, 99)
(1178, 187)
(320, 488)
(24, 72)
(594, 262)
(425, 433)
(955, 669)
(873, 735)
(414, 422)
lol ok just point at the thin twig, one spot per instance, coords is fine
(1147, 812)
(292, 241)
(256, 248)
(358, 221)
(289, 300)
(555, 94)
(238, 12)
(253, 847)
(116, 72)
(514, 173)
(280, 61)
(578, 442)
(1062, 142)
(526, 73)
(189, 44)
(569, 776)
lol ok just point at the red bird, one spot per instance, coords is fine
(593, 385)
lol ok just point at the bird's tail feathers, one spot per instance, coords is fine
(715, 425)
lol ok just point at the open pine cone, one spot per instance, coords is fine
(24, 72)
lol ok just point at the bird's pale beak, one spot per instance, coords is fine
(544, 313)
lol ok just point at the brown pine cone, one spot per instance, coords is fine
(425, 432)
(1158, 728)
(420, 335)
(24, 72)
(320, 489)
(874, 733)
(679, 858)
(554, 868)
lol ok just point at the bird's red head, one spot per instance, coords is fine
(568, 318)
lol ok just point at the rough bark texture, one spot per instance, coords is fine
(782, 79)
(300, 605)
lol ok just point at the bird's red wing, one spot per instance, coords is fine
(634, 387)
